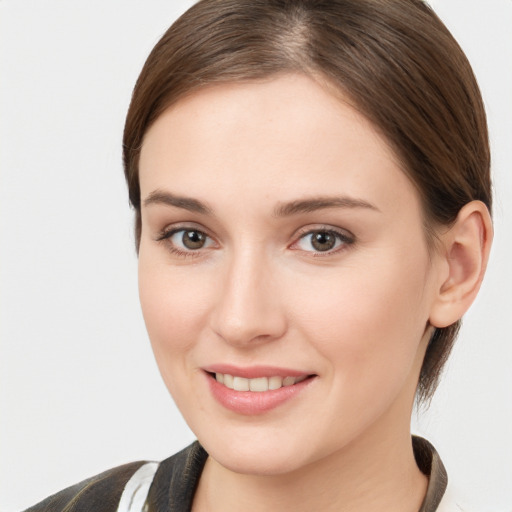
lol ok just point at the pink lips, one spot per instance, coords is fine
(251, 402)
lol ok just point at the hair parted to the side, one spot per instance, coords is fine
(393, 59)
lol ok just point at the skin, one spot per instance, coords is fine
(358, 316)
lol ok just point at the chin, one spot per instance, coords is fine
(256, 461)
(256, 452)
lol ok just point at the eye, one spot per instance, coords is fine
(323, 240)
(187, 240)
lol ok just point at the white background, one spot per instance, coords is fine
(79, 390)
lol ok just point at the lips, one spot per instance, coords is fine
(255, 390)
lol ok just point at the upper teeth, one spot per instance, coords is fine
(258, 384)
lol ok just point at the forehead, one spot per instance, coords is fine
(288, 135)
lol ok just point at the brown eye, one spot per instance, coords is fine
(323, 240)
(187, 240)
(193, 239)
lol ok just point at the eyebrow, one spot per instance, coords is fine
(282, 210)
(321, 203)
(187, 203)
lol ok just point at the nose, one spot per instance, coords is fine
(248, 310)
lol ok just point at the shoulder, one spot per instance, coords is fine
(131, 486)
(100, 492)
(441, 496)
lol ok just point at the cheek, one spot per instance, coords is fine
(174, 306)
(367, 321)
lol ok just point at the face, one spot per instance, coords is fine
(285, 279)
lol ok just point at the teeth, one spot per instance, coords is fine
(240, 384)
(275, 382)
(228, 381)
(258, 384)
(288, 381)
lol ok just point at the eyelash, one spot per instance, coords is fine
(344, 238)
(166, 235)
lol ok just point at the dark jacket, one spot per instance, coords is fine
(173, 486)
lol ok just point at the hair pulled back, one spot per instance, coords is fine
(394, 60)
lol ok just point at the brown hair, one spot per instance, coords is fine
(394, 59)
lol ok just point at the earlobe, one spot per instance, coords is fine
(465, 253)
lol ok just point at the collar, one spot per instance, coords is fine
(430, 464)
(177, 478)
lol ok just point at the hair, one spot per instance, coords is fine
(394, 60)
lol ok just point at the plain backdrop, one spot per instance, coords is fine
(79, 390)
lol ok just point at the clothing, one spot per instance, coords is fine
(169, 486)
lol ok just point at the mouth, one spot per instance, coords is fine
(257, 384)
(257, 390)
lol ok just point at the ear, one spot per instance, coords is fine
(463, 255)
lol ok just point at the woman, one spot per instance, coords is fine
(312, 202)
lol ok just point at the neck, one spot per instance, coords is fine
(371, 474)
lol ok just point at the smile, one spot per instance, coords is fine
(258, 384)
(256, 390)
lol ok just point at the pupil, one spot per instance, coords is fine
(193, 239)
(323, 241)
